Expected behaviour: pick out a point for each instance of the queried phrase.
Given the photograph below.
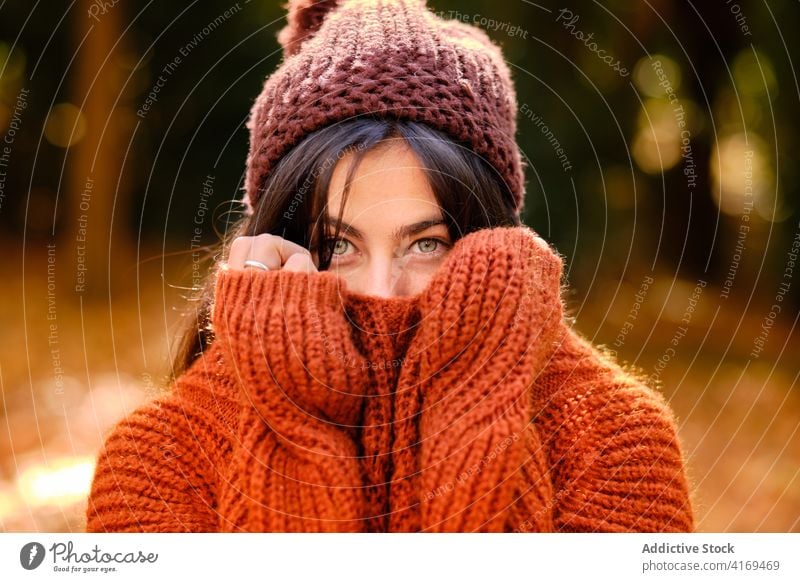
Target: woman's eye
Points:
(429, 246)
(339, 245)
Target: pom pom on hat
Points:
(303, 19)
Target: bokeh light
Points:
(741, 170)
(65, 125)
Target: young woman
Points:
(383, 345)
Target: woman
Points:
(384, 346)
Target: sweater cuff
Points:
(241, 293)
(496, 284)
(289, 342)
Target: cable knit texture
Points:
(471, 406)
(390, 59)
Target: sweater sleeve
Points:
(257, 434)
(613, 445)
(488, 323)
(155, 471)
(300, 385)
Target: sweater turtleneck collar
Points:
(382, 327)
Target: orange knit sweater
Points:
(471, 406)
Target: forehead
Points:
(389, 179)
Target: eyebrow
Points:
(398, 234)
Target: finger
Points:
(300, 263)
(287, 248)
(256, 248)
(269, 249)
(273, 250)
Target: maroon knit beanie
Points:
(386, 58)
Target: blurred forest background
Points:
(662, 140)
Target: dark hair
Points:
(470, 192)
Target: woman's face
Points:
(393, 237)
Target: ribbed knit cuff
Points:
(495, 283)
(288, 336)
(238, 292)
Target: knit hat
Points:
(387, 58)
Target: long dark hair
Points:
(470, 192)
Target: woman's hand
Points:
(275, 252)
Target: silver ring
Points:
(256, 264)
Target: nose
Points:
(384, 278)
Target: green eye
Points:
(339, 245)
(428, 245)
